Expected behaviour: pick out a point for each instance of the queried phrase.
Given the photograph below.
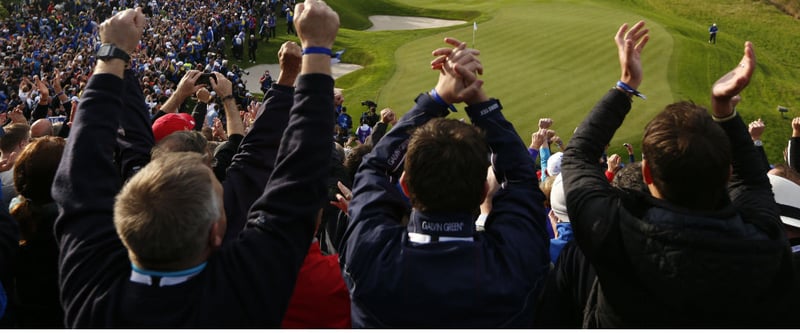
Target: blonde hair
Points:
(164, 213)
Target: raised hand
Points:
(342, 200)
(614, 163)
(290, 57)
(756, 128)
(458, 68)
(188, 84)
(17, 116)
(203, 95)
(545, 123)
(388, 116)
(630, 44)
(316, 24)
(222, 85)
(732, 83)
(628, 147)
(123, 29)
(538, 138)
(796, 127)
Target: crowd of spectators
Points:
(177, 200)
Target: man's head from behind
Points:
(16, 138)
(687, 157)
(170, 215)
(445, 167)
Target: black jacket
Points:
(247, 283)
(662, 266)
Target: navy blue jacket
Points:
(247, 283)
(492, 281)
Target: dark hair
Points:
(15, 134)
(630, 177)
(34, 171)
(446, 166)
(354, 158)
(689, 156)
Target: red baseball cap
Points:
(172, 122)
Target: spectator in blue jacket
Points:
(162, 266)
(435, 270)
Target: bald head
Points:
(41, 127)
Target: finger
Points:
(446, 51)
(471, 90)
(621, 33)
(465, 72)
(453, 41)
(642, 43)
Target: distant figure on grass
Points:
(712, 33)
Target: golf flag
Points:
(474, 26)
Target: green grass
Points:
(557, 58)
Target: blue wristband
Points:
(317, 50)
(439, 100)
(628, 89)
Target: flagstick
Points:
(474, 30)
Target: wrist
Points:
(439, 100)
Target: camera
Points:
(626, 145)
(206, 78)
(369, 104)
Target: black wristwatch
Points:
(111, 51)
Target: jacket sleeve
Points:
(224, 156)
(749, 187)
(250, 168)
(517, 215)
(793, 154)
(378, 131)
(377, 203)
(281, 221)
(39, 112)
(135, 140)
(199, 115)
(84, 188)
(591, 201)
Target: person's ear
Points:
(404, 185)
(646, 175)
(215, 234)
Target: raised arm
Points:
(587, 188)
(376, 201)
(187, 86)
(793, 149)
(136, 139)
(253, 164)
(87, 181)
(281, 222)
(749, 187)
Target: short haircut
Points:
(164, 213)
(630, 177)
(184, 141)
(445, 166)
(689, 156)
(15, 134)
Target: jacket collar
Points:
(435, 227)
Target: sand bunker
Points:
(385, 22)
(256, 71)
(379, 23)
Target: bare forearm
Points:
(235, 125)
